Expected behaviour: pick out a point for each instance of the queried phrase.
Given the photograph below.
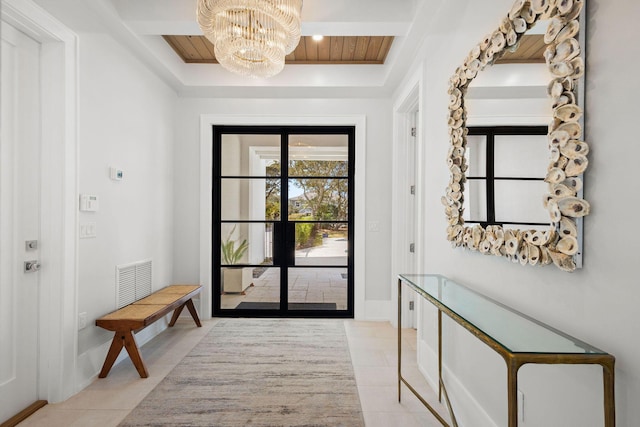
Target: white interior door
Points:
(19, 220)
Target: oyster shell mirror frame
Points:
(560, 244)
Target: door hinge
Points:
(410, 305)
(413, 190)
(412, 248)
(413, 132)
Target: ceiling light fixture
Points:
(251, 37)
(317, 37)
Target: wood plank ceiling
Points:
(330, 50)
(530, 50)
(343, 50)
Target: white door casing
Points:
(406, 214)
(19, 220)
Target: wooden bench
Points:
(140, 314)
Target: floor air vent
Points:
(133, 281)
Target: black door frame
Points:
(281, 259)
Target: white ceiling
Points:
(139, 25)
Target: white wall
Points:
(596, 304)
(126, 121)
(378, 187)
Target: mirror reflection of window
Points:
(520, 201)
(475, 194)
(521, 155)
(505, 179)
(519, 165)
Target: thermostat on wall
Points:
(88, 203)
(116, 174)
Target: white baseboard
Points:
(466, 408)
(468, 412)
(427, 353)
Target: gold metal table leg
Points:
(399, 338)
(512, 390)
(608, 373)
(439, 356)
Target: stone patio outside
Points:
(306, 284)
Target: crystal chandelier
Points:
(251, 37)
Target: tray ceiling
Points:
(330, 50)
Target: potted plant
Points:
(231, 254)
(235, 279)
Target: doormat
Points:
(257, 272)
(246, 305)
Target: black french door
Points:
(283, 221)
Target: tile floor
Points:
(373, 351)
(310, 285)
(306, 284)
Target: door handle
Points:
(31, 266)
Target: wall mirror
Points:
(559, 180)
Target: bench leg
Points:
(112, 355)
(192, 310)
(194, 313)
(124, 339)
(176, 314)
(132, 348)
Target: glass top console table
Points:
(518, 338)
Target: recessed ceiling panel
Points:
(329, 50)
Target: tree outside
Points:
(322, 199)
(272, 206)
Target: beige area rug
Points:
(259, 372)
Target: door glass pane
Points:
(321, 243)
(318, 199)
(246, 243)
(255, 199)
(319, 155)
(317, 288)
(261, 288)
(250, 155)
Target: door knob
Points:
(31, 266)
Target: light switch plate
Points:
(373, 226)
(82, 320)
(88, 230)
